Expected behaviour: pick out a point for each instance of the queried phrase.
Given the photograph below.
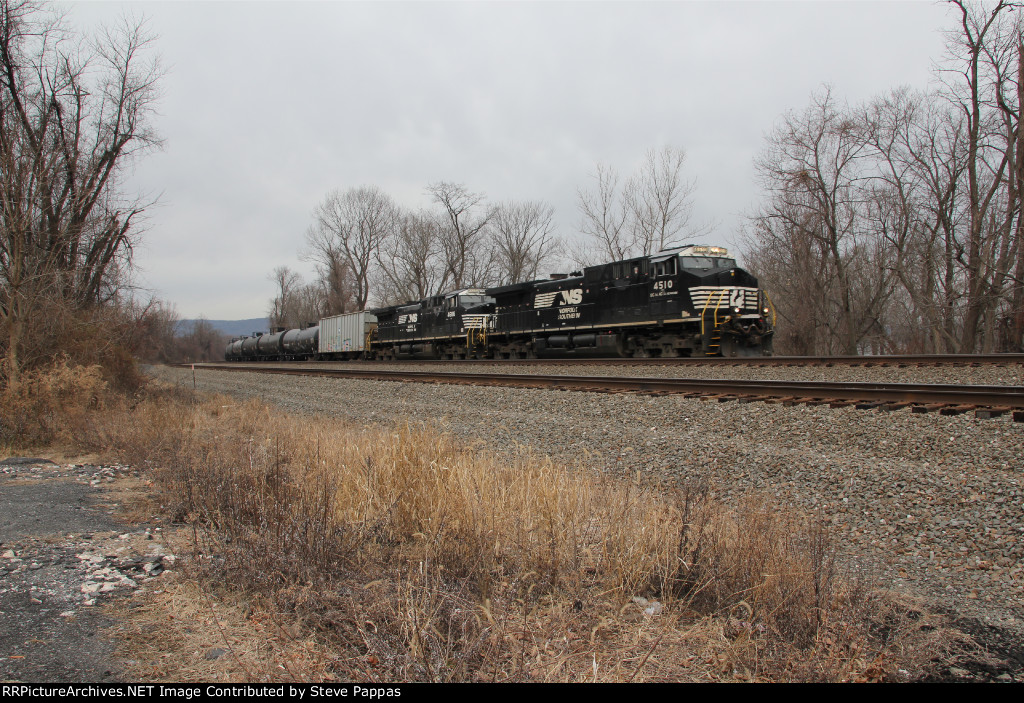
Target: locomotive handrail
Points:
(718, 306)
(771, 305)
(476, 331)
(705, 309)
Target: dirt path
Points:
(63, 555)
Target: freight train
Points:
(686, 301)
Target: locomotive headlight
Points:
(764, 311)
(736, 310)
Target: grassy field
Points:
(320, 550)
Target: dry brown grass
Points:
(182, 632)
(51, 404)
(404, 555)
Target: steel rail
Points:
(1010, 397)
(868, 361)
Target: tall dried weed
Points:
(426, 559)
(51, 404)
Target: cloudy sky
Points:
(267, 106)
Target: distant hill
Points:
(232, 328)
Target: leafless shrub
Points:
(51, 403)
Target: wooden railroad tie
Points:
(989, 413)
(869, 404)
(888, 407)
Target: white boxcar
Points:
(344, 336)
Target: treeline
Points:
(75, 111)
(365, 247)
(891, 225)
(895, 225)
(368, 250)
(164, 338)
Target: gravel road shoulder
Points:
(64, 555)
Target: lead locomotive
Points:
(686, 301)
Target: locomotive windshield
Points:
(706, 263)
(468, 301)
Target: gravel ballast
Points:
(983, 374)
(936, 502)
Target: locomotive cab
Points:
(450, 326)
(733, 311)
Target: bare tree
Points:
(297, 303)
(522, 236)
(914, 202)
(814, 169)
(202, 342)
(283, 305)
(468, 260)
(350, 227)
(603, 214)
(913, 198)
(335, 283)
(74, 111)
(154, 329)
(411, 264)
(650, 212)
(337, 288)
(976, 75)
(660, 200)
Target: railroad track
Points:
(893, 360)
(947, 399)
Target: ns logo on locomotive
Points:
(685, 301)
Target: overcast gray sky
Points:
(267, 106)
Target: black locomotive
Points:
(686, 301)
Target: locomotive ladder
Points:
(714, 346)
(476, 332)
